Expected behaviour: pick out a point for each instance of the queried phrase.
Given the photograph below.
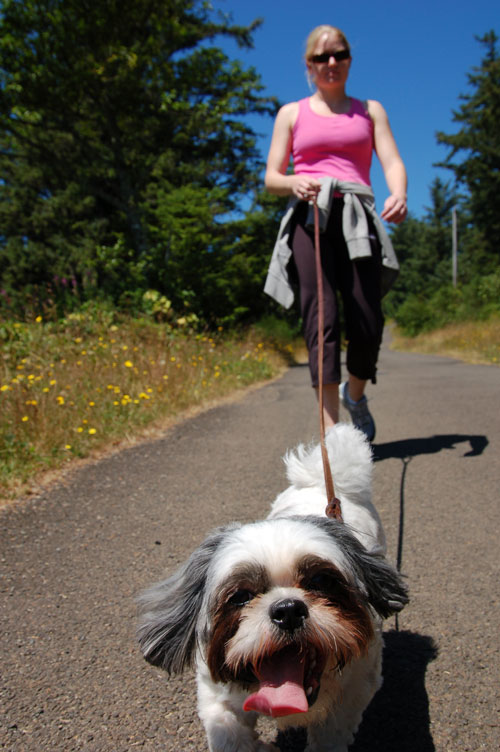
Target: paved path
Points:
(71, 677)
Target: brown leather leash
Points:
(333, 506)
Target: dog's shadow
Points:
(408, 448)
(398, 716)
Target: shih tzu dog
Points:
(283, 616)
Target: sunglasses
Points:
(325, 56)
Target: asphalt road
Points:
(71, 560)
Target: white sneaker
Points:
(360, 415)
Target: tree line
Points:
(126, 156)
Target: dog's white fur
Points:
(351, 459)
(330, 578)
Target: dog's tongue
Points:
(281, 689)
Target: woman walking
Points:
(331, 137)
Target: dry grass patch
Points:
(472, 341)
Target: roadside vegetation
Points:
(97, 378)
(469, 341)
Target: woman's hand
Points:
(303, 187)
(395, 209)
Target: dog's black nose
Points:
(289, 614)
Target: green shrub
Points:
(477, 300)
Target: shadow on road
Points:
(398, 717)
(408, 448)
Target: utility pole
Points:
(454, 259)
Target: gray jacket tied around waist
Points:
(358, 201)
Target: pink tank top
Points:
(339, 146)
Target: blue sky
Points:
(412, 56)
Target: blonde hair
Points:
(318, 32)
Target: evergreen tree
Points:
(408, 240)
(122, 142)
(438, 236)
(478, 143)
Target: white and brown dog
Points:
(283, 616)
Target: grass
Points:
(472, 342)
(73, 388)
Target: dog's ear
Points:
(170, 609)
(383, 585)
(385, 588)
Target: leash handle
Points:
(333, 506)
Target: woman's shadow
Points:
(409, 448)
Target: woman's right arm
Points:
(276, 179)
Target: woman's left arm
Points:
(395, 208)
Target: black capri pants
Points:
(359, 284)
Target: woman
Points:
(331, 137)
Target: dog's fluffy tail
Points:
(350, 457)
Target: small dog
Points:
(283, 616)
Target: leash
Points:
(333, 506)
(399, 559)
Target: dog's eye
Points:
(321, 581)
(241, 597)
